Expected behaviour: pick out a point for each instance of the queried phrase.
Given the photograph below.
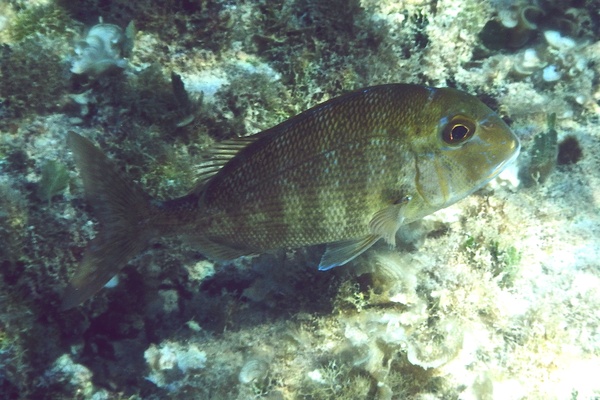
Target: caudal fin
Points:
(123, 211)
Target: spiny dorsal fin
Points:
(219, 154)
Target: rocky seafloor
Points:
(496, 297)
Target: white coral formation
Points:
(427, 344)
(253, 370)
(172, 364)
(528, 62)
(65, 371)
(104, 48)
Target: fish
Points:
(347, 173)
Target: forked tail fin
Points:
(124, 213)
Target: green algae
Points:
(47, 20)
(32, 76)
(543, 155)
(55, 178)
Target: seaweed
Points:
(55, 178)
(543, 156)
(32, 77)
(46, 20)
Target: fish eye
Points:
(458, 130)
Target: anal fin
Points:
(215, 251)
(339, 253)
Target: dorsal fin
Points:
(217, 155)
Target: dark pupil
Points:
(458, 133)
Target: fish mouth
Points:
(500, 167)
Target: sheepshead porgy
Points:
(347, 172)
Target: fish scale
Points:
(317, 145)
(347, 173)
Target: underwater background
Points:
(496, 297)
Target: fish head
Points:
(466, 146)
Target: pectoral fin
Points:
(339, 253)
(385, 222)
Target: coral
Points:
(514, 27)
(252, 98)
(13, 365)
(32, 76)
(253, 370)
(505, 265)
(543, 156)
(172, 364)
(334, 381)
(426, 344)
(527, 62)
(309, 43)
(103, 49)
(65, 370)
(47, 20)
(6, 15)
